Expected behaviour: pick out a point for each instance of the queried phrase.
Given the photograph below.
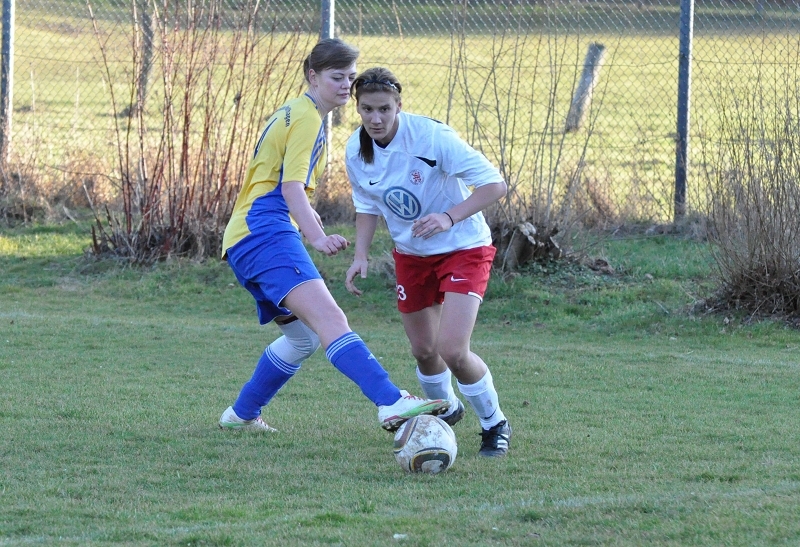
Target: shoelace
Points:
(491, 436)
(259, 420)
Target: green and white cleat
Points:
(455, 416)
(229, 420)
(391, 417)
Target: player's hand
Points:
(430, 225)
(330, 245)
(359, 267)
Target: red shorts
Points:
(423, 280)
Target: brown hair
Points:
(373, 80)
(330, 53)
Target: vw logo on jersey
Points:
(402, 203)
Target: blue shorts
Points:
(269, 265)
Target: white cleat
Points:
(229, 420)
(407, 406)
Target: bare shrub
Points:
(179, 177)
(591, 202)
(754, 198)
(333, 199)
(522, 131)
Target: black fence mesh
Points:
(503, 73)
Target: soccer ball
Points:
(425, 444)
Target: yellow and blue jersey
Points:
(290, 148)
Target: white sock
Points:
(439, 386)
(483, 398)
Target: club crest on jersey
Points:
(415, 177)
(402, 203)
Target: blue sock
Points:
(351, 357)
(269, 376)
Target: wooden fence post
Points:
(583, 93)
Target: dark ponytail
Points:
(367, 152)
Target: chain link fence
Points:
(504, 73)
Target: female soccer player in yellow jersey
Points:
(264, 249)
(415, 173)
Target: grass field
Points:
(635, 421)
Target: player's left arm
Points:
(461, 160)
(480, 199)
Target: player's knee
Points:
(306, 345)
(456, 358)
(304, 340)
(425, 354)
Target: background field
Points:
(635, 420)
(507, 99)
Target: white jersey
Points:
(425, 169)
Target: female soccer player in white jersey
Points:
(266, 253)
(415, 172)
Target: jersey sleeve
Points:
(460, 160)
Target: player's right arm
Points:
(308, 221)
(366, 225)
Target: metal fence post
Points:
(6, 80)
(327, 19)
(327, 31)
(684, 92)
